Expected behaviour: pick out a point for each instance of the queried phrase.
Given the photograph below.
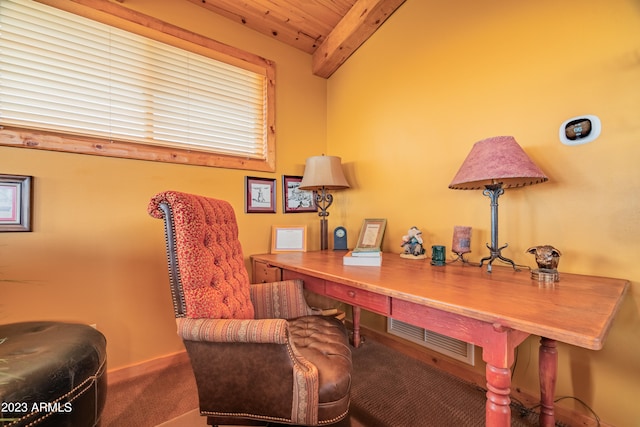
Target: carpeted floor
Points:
(151, 399)
(389, 389)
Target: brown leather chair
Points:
(257, 351)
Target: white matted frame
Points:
(260, 195)
(288, 238)
(294, 199)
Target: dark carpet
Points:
(391, 389)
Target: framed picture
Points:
(260, 195)
(288, 238)
(371, 233)
(15, 203)
(294, 199)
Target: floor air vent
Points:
(451, 347)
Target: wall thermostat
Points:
(580, 130)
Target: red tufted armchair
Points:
(257, 351)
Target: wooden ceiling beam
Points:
(362, 20)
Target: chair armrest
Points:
(273, 331)
(279, 300)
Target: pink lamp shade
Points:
(497, 160)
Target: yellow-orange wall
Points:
(403, 113)
(95, 256)
(406, 108)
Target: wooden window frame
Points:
(138, 23)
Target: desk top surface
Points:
(576, 310)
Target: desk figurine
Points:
(547, 258)
(412, 243)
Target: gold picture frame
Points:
(371, 233)
(290, 238)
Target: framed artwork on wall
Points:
(260, 195)
(294, 199)
(15, 203)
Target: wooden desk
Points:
(496, 311)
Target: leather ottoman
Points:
(52, 374)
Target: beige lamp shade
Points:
(497, 160)
(323, 171)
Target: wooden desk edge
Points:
(599, 342)
(590, 343)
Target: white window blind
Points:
(65, 73)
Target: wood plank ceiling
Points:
(329, 30)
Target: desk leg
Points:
(499, 356)
(498, 412)
(548, 371)
(356, 326)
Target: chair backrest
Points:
(206, 265)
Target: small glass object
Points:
(438, 256)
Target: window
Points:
(75, 84)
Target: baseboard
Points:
(567, 416)
(149, 366)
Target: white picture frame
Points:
(288, 238)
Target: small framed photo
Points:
(15, 203)
(294, 199)
(260, 195)
(371, 233)
(288, 238)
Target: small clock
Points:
(340, 239)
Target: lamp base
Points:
(460, 257)
(496, 254)
(324, 234)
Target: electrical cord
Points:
(525, 411)
(595, 416)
